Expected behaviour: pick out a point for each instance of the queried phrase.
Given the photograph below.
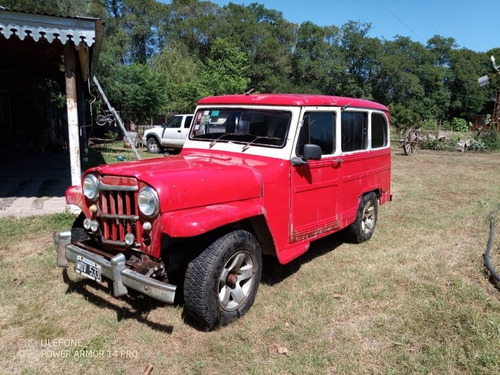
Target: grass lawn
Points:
(414, 299)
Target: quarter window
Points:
(379, 131)
(189, 120)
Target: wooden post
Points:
(72, 110)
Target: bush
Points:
(432, 143)
(491, 140)
(111, 135)
(460, 125)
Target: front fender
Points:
(196, 221)
(74, 196)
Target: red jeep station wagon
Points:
(258, 174)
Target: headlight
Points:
(91, 187)
(148, 202)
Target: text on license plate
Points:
(88, 268)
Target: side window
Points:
(379, 130)
(189, 119)
(354, 131)
(318, 128)
(174, 122)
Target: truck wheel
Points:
(153, 146)
(221, 283)
(78, 232)
(366, 219)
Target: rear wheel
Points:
(221, 283)
(153, 146)
(366, 219)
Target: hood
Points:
(187, 181)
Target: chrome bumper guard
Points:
(114, 270)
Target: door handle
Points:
(338, 160)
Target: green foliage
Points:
(460, 125)
(403, 117)
(225, 70)
(138, 91)
(432, 143)
(491, 140)
(111, 135)
(57, 7)
(162, 58)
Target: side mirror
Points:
(311, 152)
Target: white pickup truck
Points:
(170, 135)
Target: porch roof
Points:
(82, 31)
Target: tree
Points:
(314, 63)
(57, 7)
(225, 70)
(358, 55)
(137, 91)
(179, 72)
(266, 38)
(467, 98)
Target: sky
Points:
(474, 25)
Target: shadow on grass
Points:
(273, 272)
(140, 305)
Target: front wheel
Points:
(366, 219)
(153, 146)
(101, 120)
(221, 283)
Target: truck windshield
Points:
(250, 127)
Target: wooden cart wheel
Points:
(410, 141)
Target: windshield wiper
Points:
(247, 146)
(212, 144)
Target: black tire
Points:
(221, 283)
(366, 219)
(153, 146)
(78, 232)
(101, 120)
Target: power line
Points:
(450, 19)
(402, 22)
(432, 22)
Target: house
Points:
(46, 66)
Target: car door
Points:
(315, 184)
(172, 132)
(185, 128)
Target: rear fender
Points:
(200, 220)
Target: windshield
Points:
(249, 127)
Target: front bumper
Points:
(113, 269)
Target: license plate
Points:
(88, 268)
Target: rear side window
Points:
(379, 130)
(189, 120)
(354, 131)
